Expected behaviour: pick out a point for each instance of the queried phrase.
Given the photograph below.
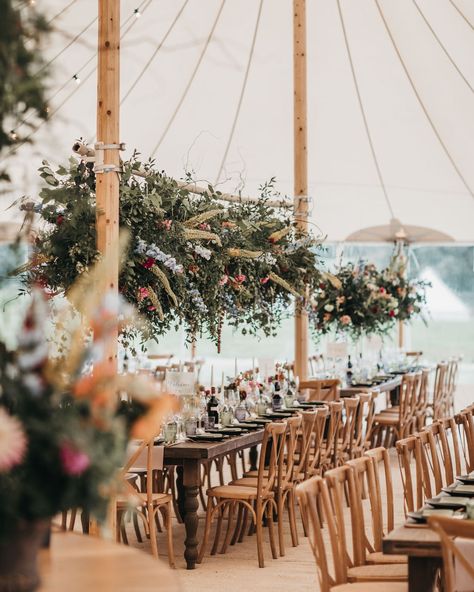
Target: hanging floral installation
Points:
(192, 261)
(366, 301)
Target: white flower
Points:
(12, 441)
(202, 252)
(329, 308)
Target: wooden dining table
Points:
(423, 549)
(79, 563)
(188, 456)
(383, 387)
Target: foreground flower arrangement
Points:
(365, 301)
(63, 430)
(191, 261)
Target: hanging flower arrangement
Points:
(191, 260)
(365, 301)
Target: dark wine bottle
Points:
(213, 406)
(349, 370)
(277, 399)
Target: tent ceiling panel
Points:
(422, 185)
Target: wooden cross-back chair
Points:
(422, 402)
(440, 445)
(321, 389)
(313, 497)
(258, 501)
(439, 391)
(316, 454)
(346, 442)
(409, 461)
(330, 437)
(465, 429)
(343, 483)
(447, 529)
(145, 505)
(373, 524)
(384, 498)
(397, 422)
(451, 384)
(284, 485)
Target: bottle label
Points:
(213, 408)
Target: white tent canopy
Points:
(426, 168)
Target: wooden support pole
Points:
(300, 166)
(107, 183)
(108, 132)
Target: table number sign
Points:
(336, 349)
(180, 383)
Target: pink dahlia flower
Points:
(13, 442)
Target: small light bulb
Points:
(32, 2)
(13, 135)
(137, 13)
(76, 79)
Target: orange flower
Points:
(148, 425)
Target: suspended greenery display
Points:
(366, 301)
(192, 260)
(23, 73)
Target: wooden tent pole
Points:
(107, 183)
(300, 166)
(108, 133)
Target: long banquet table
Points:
(79, 563)
(423, 548)
(188, 457)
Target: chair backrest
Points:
(447, 528)
(384, 492)
(409, 460)
(341, 482)
(465, 424)
(438, 435)
(285, 476)
(346, 443)
(322, 390)
(308, 419)
(422, 397)
(427, 455)
(316, 509)
(372, 521)
(365, 420)
(316, 453)
(452, 440)
(272, 450)
(439, 390)
(143, 455)
(331, 435)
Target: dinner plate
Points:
(460, 490)
(207, 437)
(260, 420)
(310, 404)
(276, 415)
(248, 425)
(421, 515)
(466, 479)
(448, 502)
(231, 431)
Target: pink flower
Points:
(74, 461)
(204, 226)
(240, 278)
(346, 320)
(13, 442)
(264, 280)
(143, 293)
(223, 281)
(167, 224)
(149, 263)
(151, 308)
(382, 290)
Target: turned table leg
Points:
(422, 573)
(253, 457)
(188, 489)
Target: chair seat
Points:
(389, 572)
(252, 482)
(139, 499)
(386, 418)
(233, 492)
(381, 558)
(371, 587)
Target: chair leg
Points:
(238, 524)
(207, 530)
(292, 516)
(271, 531)
(230, 519)
(152, 525)
(123, 530)
(169, 532)
(136, 526)
(259, 529)
(218, 529)
(243, 528)
(280, 510)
